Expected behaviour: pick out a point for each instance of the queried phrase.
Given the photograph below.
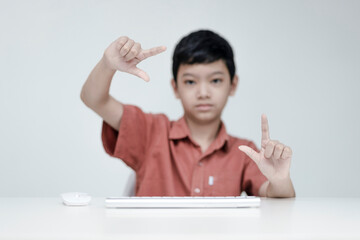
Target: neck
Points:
(203, 133)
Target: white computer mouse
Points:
(76, 198)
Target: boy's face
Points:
(204, 89)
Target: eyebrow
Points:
(194, 75)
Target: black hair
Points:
(203, 46)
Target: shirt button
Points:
(197, 190)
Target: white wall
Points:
(298, 61)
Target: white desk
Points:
(301, 218)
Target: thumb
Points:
(250, 152)
(139, 73)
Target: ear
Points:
(175, 88)
(234, 85)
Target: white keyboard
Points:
(182, 202)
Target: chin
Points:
(205, 117)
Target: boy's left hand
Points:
(274, 157)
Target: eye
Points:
(189, 82)
(216, 81)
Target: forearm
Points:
(280, 188)
(122, 55)
(95, 91)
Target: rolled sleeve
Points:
(130, 142)
(253, 178)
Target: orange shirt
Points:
(168, 162)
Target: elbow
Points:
(83, 97)
(91, 101)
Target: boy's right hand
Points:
(124, 54)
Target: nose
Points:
(203, 91)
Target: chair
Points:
(130, 185)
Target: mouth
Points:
(203, 107)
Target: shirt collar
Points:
(180, 130)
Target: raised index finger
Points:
(150, 52)
(265, 136)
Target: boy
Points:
(193, 156)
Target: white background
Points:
(298, 61)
